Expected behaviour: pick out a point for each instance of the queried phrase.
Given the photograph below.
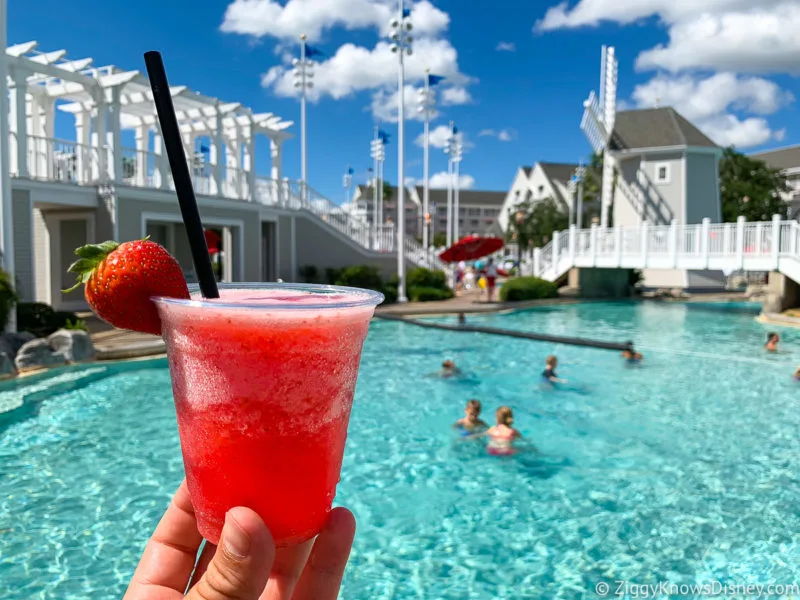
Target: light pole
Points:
(401, 45)
(453, 149)
(347, 181)
(303, 79)
(376, 152)
(578, 177)
(427, 108)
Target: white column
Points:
(537, 262)
(47, 124)
(114, 136)
(99, 138)
(142, 142)
(42, 147)
(217, 149)
(83, 136)
(776, 240)
(740, 242)
(7, 230)
(276, 172)
(162, 167)
(250, 163)
(20, 123)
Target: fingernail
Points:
(234, 539)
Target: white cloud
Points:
(506, 47)
(384, 104)
(708, 102)
(740, 35)
(760, 40)
(439, 181)
(730, 37)
(456, 95)
(504, 135)
(261, 18)
(437, 137)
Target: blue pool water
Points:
(682, 470)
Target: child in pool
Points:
(549, 373)
(471, 422)
(449, 369)
(502, 435)
(772, 342)
(630, 355)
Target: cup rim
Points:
(359, 297)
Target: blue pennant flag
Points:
(455, 130)
(383, 136)
(204, 149)
(406, 12)
(311, 52)
(350, 170)
(434, 79)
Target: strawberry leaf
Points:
(89, 257)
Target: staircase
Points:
(294, 195)
(728, 247)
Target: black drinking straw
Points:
(180, 174)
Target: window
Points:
(540, 189)
(474, 212)
(663, 172)
(474, 222)
(491, 212)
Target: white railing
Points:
(52, 159)
(741, 246)
(61, 160)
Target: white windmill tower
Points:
(598, 124)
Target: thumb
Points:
(242, 563)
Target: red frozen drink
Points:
(263, 380)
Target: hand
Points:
(247, 566)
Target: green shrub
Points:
(429, 294)
(76, 325)
(422, 277)
(8, 298)
(332, 275)
(527, 288)
(41, 320)
(362, 276)
(308, 273)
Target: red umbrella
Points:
(471, 248)
(212, 241)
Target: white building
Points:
(67, 192)
(539, 182)
(788, 161)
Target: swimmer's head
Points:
(551, 361)
(773, 337)
(628, 346)
(473, 408)
(504, 416)
(448, 365)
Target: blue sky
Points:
(725, 65)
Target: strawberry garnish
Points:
(121, 279)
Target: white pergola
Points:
(106, 100)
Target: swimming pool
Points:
(683, 470)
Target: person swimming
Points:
(462, 320)
(471, 423)
(549, 373)
(797, 374)
(502, 436)
(449, 369)
(630, 355)
(772, 342)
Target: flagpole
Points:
(450, 193)
(303, 172)
(401, 46)
(375, 191)
(456, 214)
(425, 177)
(380, 199)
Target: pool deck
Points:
(116, 344)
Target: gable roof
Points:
(780, 158)
(562, 172)
(655, 128)
(527, 171)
